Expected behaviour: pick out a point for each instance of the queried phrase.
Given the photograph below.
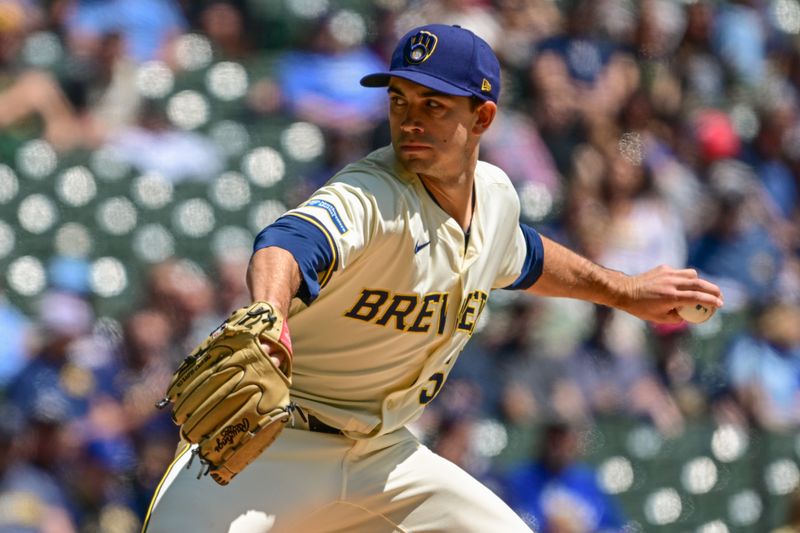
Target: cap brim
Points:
(381, 79)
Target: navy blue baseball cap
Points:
(448, 59)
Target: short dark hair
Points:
(475, 102)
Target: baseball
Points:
(695, 313)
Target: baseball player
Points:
(383, 274)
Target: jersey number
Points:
(429, 393)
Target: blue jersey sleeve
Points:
(534, 259)
(314, 251)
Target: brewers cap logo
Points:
(421, 46)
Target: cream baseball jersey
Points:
(400, 292)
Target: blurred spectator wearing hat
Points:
(555, 493)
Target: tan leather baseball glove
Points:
(228, 397)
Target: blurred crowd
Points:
(636, 132)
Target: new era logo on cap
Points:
(448, 59)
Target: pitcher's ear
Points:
(486, 112)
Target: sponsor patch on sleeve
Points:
(331, 209)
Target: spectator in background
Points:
(555, 493)
(25, 93)
(600, 72)
(224, 22)
(561, 127)
(94, 93)
(738, 37)
(781, 189)
(523, 23)
(154, 145)
(35, 94)
(617, 378)
(641, 228)
(149, 355)
(714, 138)
(778, 185)
(153, 454)
(150, 351)
(146, 26)
(184, 294)
(578, 80)
(647, 136)
(102, 88)
(54, 373)
(100, 486)
(514, 144)
(738, 248)
(764, 367)
(31, 498)
(532, 383)
(477, 15)
(231, 287)
(231, 29)
(316, 82)
(454, 440)
(701, 73)
(675, 367)
(90, 97)
(14, 24)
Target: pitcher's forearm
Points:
(273, 276)
(567, 274)
(655, 295)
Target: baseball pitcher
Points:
(363, 297)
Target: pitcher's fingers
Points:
(277, 356)
(688, 273)
(700, 297)
(704, 286)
